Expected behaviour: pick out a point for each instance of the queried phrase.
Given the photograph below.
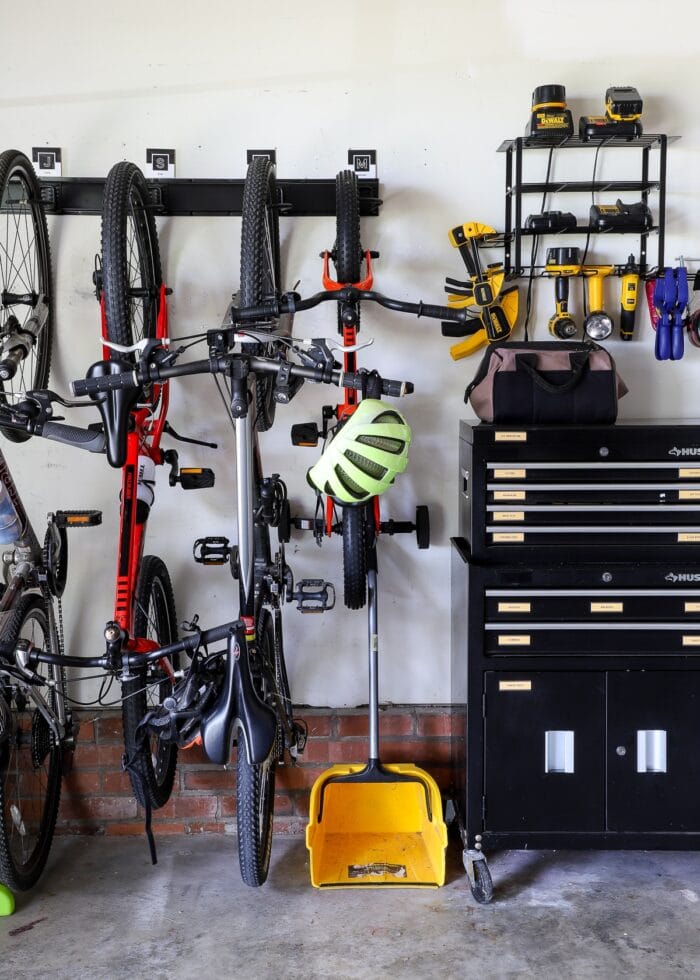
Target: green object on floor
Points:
(7, 901)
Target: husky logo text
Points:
(683, 577)
(688, 451)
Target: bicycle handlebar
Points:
(220, 364)
(187, 644)
(293, 303)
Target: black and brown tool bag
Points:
(547, 382)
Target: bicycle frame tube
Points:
(245, 503)
(143, 440)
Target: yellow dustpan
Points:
(376, 825)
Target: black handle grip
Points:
(442, 313)
(106, 382)
(72, 435)
(389, 387)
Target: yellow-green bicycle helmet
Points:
(364, 455)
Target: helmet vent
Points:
(389, 445)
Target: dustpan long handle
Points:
(373, 638)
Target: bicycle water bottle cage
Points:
(114, 408)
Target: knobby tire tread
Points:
(258, 281)
(15, 877)
(125, 181)
(12, 161)
(153, 575)
(355, 533)
(255, 782)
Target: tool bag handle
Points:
(579, 365)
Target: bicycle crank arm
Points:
(238, 704)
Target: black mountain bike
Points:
(37, 728)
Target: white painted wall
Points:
(435, 88)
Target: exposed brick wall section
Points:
(97, 796)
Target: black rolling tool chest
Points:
(576, 637)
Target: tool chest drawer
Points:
(585, 610)
(628, 491)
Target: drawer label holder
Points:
(521, 640)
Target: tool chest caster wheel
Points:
(480, 881)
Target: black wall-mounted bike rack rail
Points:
(205, 197)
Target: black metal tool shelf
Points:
(576, 639)
(205, 197)
(516, 188)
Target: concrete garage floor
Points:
(101, 911)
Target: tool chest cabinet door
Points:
(653, 752)
(544, 754)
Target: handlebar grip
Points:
(442, 313)
(394, 388)
(72, 435)
(105, 382)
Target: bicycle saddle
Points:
(114, 408)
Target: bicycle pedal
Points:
(77, 518)
(305, 434)
(313, 595)
(211, 551)
(196, 478)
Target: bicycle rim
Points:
(30, 763)
(131, 268)
(152, 764)
(255, 783)
(26, 296)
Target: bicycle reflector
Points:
(365, 454)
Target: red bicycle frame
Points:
(143, 439)
(350, 395)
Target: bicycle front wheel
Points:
(131, 270)
(358, 526)
(30, 759)
(255, 783)
(260, 265)
(151, 762)
(26, 297)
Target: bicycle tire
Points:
(347, 252)
(356, 529)
(154, 618)
(30, 763)
(260, 266)
(255, 782)
(131, 268)
(25, 274)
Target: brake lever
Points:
(316, 352)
